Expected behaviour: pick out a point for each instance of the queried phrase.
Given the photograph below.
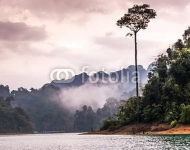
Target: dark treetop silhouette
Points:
(136, 19)
(186, 37)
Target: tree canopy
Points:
(137, 17)
(186, 37)
(13, 120)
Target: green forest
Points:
(13, 120)
(166, 96)
(42, 110)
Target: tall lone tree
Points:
(136, 19)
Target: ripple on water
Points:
(93, 142)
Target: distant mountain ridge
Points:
(101, 78)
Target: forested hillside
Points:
(166, 96)
(47, 112)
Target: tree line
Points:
(43, 110)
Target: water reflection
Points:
(93, 142)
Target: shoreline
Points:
(134, 129)
(3, 134)
(146, 129)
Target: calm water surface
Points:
(93, 142)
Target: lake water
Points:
(93, 142)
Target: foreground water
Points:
(93, 142)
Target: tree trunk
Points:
(137, 84)
(136, 70)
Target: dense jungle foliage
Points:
(13, 120)
(166, 96)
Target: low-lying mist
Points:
(93, 95)
(88, 94)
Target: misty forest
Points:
(73, 107)
(162, 94)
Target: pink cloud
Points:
(19, 31)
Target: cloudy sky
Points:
(37, 36)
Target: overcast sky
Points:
(37, 36)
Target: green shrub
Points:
(185, 114)
(110, 125)
(173, 123)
